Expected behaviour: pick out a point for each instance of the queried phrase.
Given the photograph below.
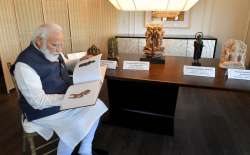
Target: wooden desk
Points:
(147, 99)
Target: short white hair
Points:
(44, 30)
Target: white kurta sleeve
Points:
(30, 85)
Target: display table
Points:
(147, 99)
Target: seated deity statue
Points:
(233, 54)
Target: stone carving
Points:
(154, 36)
(93, 50)
(113, 49)
(233, 54)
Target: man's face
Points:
(55, 43)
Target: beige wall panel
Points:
(85, 22)
(79, 23)
(29, 16)
(248, 47)
(56, 11)
(103, 20)
(9, 42)
(94, 18)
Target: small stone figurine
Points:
(198, 46)
(93, 50)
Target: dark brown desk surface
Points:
(172, 72)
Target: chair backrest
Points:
(13, 79)
(17, 90)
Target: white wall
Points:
(229, 20)
(223, 19)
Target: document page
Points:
(87, 70)
(80, 95)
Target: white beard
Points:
(49, 55)
(53, 57)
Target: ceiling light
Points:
(153, 5)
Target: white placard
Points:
(111, 64)
(199, 71)
(239, 74)
(136, 65)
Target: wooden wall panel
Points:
(85, 22)
(103, 23)
(29, 16)
(9, 39)
(79, 23)
(57, 12)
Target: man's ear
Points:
(39, 42)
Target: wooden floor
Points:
(208, 122)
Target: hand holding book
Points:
(87, 78)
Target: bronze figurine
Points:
(198, 46)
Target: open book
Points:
(88, 77)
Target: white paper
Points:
(110, 64)
(136, 65)
(239, 74)
(73, 56)
(103, 72)
(88, 77)
(199, 71)
(87, 70)
(85, 100)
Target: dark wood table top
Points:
(172, 72)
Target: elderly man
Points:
(41, 75)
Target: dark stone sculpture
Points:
(112, 49)
(198, 46)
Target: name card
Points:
(136, 65)
(199, 71)
(110, 64)
(239, 74)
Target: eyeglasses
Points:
(54, 45)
